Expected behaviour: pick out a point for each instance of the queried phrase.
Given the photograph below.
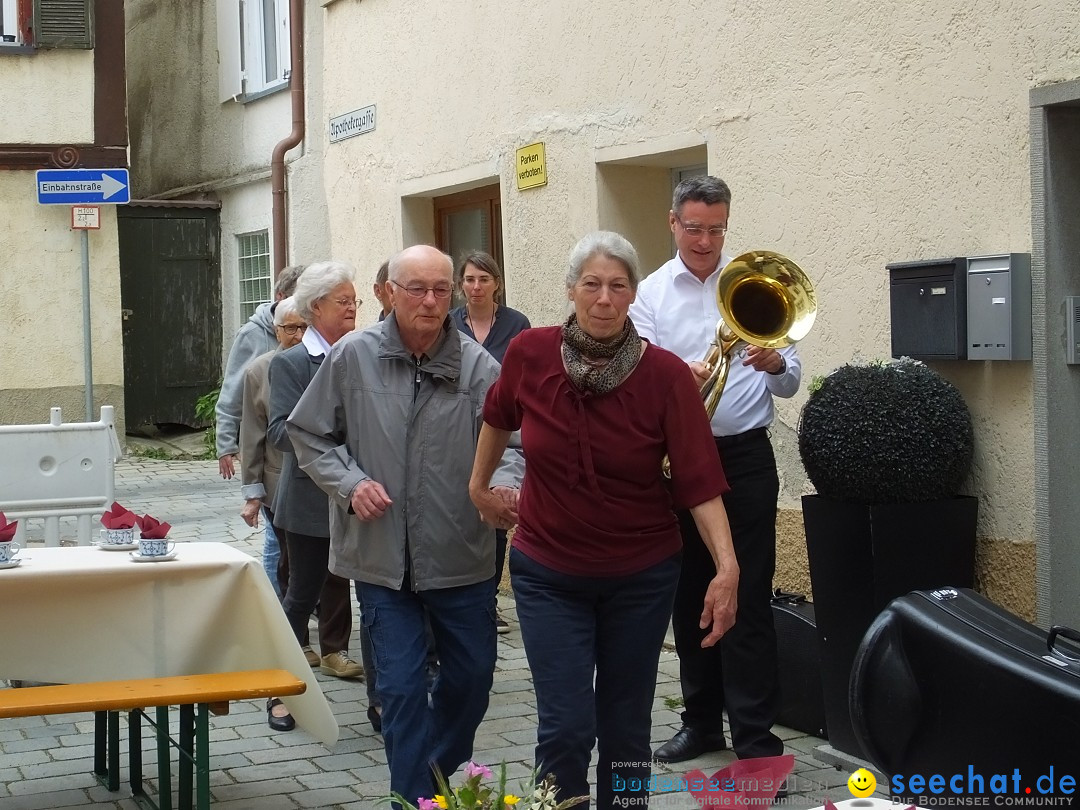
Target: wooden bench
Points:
(196, 695)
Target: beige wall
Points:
(852, 135)
(41, 287)
(47, 97)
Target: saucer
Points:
(11, 564)
(137, 557)
(117, 546)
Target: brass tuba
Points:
(765, 300)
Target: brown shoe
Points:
(341, 666)
(312, 657)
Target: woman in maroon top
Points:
(595, 559)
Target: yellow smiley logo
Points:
(861, 783)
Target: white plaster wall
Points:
(47, 96)
(181, 134)
(244, 209)
(853, 134)
(188, 144)
(41, 287)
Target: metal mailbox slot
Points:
(999, 307)
(927, 309)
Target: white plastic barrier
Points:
(54, 471)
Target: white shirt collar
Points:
(315, 343)
(680, 268)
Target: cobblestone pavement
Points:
(46, 762)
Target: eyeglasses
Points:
(695, 231)
(290, 329)
(420, 291)
(345, 303)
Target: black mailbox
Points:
(928, 309)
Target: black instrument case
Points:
(947, 683)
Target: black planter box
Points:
(861, 558)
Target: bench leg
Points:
(107, 749)
(164, 801)
(202, 756)
(135, 777)
(101, 746)
(187, 756)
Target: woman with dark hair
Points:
(492, 325)
(482, 317)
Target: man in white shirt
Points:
(676, 309)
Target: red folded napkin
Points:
(743, 783)
(7, 530)
(152, 528)
(118, 518)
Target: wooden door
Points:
(170, 291)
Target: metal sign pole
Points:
(88, 362)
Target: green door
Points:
(170, 289)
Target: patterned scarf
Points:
(598, 367)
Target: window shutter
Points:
(228, 37)
(64, 24)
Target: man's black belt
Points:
(723, 442)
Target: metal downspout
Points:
(277, 162)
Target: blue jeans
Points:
(418, 734)
(593, 645)
(271, 551)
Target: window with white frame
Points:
(253, 47)
(9, 23)
(256, 277)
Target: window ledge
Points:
(268, 91)
(12, 49)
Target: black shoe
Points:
(285, 723)
(374, 718)
(689, 743)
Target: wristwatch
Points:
(783, 367)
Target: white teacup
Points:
(118, 537)
(9, 552)
(153, 547)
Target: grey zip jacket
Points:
(365, 416)
(256, 337)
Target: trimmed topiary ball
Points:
(886, 433)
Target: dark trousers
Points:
(739, 673)
(593, 645)
(419, 733)
(310, 584)
(500, 555)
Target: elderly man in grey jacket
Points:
(388, 430)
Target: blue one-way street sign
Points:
(78, 186)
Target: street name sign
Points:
(81, 186)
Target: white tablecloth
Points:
(73, 615)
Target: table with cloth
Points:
(80, 614)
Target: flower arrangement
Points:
(479, 793)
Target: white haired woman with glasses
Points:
(326, 299)
(595, 560)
